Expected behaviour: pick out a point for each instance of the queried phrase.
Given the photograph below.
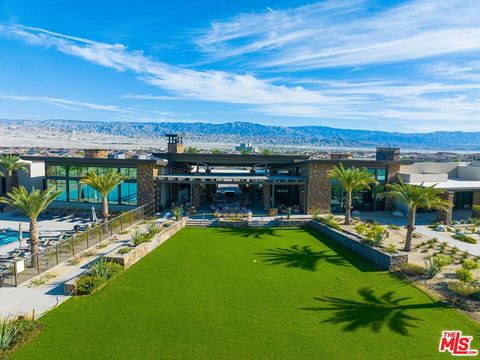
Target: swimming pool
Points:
(10, 236)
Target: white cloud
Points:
(346, 33)
(65, 103)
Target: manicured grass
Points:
(249, 294)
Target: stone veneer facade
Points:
(445, 216)
(392, 176)
(266, 196)
(319, 188)
(96, 153)
(147, 189)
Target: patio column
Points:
(196, 196)
(266, 196)
(475, 201)
(445, 216)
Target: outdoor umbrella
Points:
(20, 234)
(93, 215)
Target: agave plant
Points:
(432, 268)
(152, 228)
(177, 212)
(8, 332)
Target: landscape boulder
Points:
(441, 228)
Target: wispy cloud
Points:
(65, 103)
(346, 33)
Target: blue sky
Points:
(363, 64)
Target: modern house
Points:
(205, 182)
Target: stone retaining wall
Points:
(138, 252)
(385, 260)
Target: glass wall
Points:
(362, 200)
(67, 178)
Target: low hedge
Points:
(98, 274)
(465, 238)
(412, 269)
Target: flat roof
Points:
(231, 159)
(452, 184)
(357, 162)
(63, 160)
(229, 178)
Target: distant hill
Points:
(263, 134)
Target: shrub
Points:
(466, 255)
(442, 260)
(74, 261)
(462, 289)
(15, 332)
(469, 264)
(138, 237)
(361, 228)
(394, 227)
(432, 268)
(376, 233)
(391, 249)
(43, 279)
(412, 269)
(153, 229)
(330, 222)
(177, 212)
(465, 238)
(124, 250)
(443, 245)
(87, 283)
(104, 269)
(454, 250)
(464, 275)
(166, 225)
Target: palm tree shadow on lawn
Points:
(302, 257)
(372, 312)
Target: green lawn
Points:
(249, 294)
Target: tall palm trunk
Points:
(10, 181)
(105, 214)
(348, 207)
(410, 229)
(34, 241)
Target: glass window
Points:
(89, 194)
(76, 171)
(74, 190)
(381, 174)
(129, 193)
(56, 170)
(130, 173)
(103, 170)
(59, 185)
(113, 196)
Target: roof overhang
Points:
(240, 178)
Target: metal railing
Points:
(67, 248)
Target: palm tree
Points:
(414, 197)
(11, 163)
(351, 179)
(104, 184)
(32, 204)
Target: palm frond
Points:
(352, 178)
(12, 162)
(33, 203)
(104, 183)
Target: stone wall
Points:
(386, 261)
(175, 148)
(319, 189)
(127, 260)
(146, 185)
(196, 196)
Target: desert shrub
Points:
(462, 289)
(416, 235)
(104, 269)
(124, 250)
(376, 233)
(394, 227)
(153, 229)
(443, 245)
(443, 260)
(464, 275)
(469, 264)
(432, 241)
(465, 238)
(15, 332)
(465, 255)
(330, 222)
(432, 268)
(361, 228)
(43, 279)
(75, 261)
(138, 237)
(412, 269)
(90, 253)
(454, 250)
(166, 225)
(391, 249)
(87, 283)
(177, 212)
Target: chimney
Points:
(96, 153)
(340, 156)
(175, 143)
(388, 154)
